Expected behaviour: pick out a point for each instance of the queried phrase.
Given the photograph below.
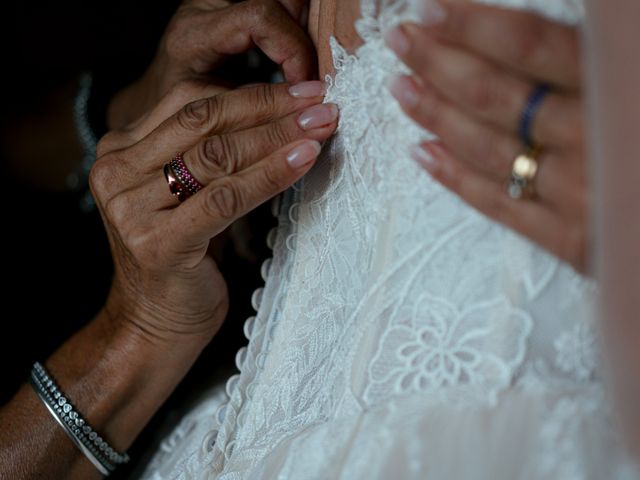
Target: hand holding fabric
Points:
(245, 146)
(475, 71)
(203, 34)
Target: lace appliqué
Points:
(440, 346)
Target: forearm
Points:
(615, 76)
(114, 377)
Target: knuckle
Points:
(266, 96)
(118, 210)
(274, 179)
(108, 143)
(197, 116)
(217, 153)
(224, 201)
(278, 134)
(101, 177)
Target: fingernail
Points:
(398, 41)
(432, 13)
(405, 91)
(308, 89)
(304, 154)
(318, 116)
(420, 154)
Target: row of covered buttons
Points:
(241, 356)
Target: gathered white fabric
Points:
(400, 333)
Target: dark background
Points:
(56, 264)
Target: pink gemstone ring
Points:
(184, 176)
(175, 187)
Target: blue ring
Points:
(529, 113)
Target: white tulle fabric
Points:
(400, 333)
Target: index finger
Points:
(528, 43)
(263, 23)
(224, 113)
(225, 200)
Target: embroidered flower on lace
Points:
(576, 351)
(438, 345)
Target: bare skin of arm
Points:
(119, 390)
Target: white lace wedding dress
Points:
(401, 334)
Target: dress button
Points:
(272, 331)
(210, 441)
(229, 450)
(275, 205)
(221, 413)
(232, 383)
(294, 212)
(241, 357)
(291, 242)
(271, 237)
(251, 390)
(261, 361)
(249, 325)
(264, 270)
(256, 299)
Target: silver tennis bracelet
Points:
(95, 448)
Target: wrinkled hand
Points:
(245, 146)
(203, 34)
(475, 68)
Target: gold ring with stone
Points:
(523, 175)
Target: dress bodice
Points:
(401, 333)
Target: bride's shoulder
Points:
(335, 18)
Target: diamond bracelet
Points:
(95, 448)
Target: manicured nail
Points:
(318, 116)
(308, 89)
(405, 91)
(304, 154)
(398, 41)
(432, 13)
(420, 154)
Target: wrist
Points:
(117, 378)
(155, 324)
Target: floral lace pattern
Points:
(441, 346)
(390, 304)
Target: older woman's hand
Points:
(203, 33)
(244, 146)
(476, 84)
